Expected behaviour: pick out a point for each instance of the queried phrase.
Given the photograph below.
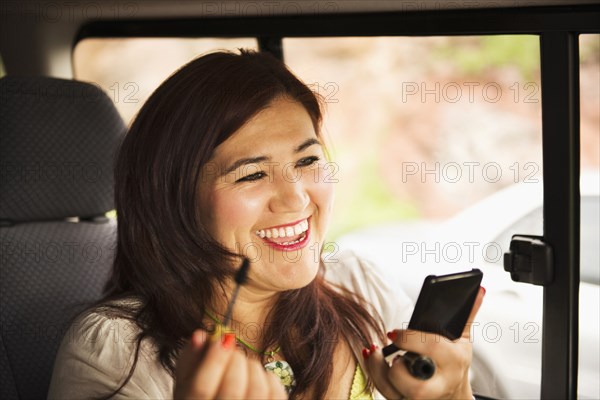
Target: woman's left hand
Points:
(452, 360)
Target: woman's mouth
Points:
(286, 237)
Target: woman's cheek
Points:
(322, 193)
(235, 214)
(326, 182)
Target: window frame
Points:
(558, 29)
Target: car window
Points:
(531, 224)
(129, 69)
(422, 129)
(589, 296)
(590, 237)
(589, 87)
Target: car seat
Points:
(57, 146)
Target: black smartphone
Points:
(445, 302)
(443, 307)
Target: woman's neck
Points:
(250, 313)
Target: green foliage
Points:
(371, 202)
(589, 49)
(483, 54)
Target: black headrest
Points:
(58, 141)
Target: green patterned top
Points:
(358, 391)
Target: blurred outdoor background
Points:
(419, 128)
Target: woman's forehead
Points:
(283, 124)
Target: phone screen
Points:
(445, 302)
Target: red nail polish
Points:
(483, 290)
(392, 335)
(373, 347)
(228, 340)
(365, 353)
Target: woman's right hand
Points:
(208, 369)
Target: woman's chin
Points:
(290, 275)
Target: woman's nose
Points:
(289, 196)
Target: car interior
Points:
(59, 136)
(45, 272)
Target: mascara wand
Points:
(419, 366)
(240, 278)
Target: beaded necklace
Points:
(270, 354)
(280, 368)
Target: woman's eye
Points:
(252, 177)
(306, 161)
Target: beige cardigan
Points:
(96, 353)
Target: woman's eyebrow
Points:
(255, 160)
(307, 143)
(245, 161)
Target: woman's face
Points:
(265, 194)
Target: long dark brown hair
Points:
(166, 258)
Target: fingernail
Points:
(228, 340)
(365, 353)
(392, 335)
(373, 347)
(483, 290)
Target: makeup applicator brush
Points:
(240, 278)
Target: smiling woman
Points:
(225, 161)
(274, 205)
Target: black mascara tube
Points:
(419, 366)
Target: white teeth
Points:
(294, 242)
(288, 231)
